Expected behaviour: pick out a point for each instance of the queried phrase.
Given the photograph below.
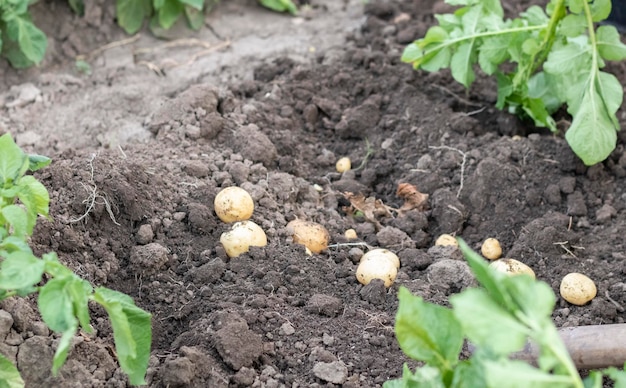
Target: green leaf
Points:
(13, 243)
(80, 291)
(55, 305)
(573, 25)
(461, 64)
(593, 133)
(569, 58)
(280, 5)
(195, 18)
(493, 52)
(17, 217)
(60, 355)
(469, 374)
(34, 195)
(424, 377)
(131, 14)
(132, 332)
(54, 267)
(610, 46)
(427, 332)
(30, 39)
(197, 4)
(20, 270)
(518, 374)
(600, 10)
(487, 277)
(9, 375)
(488, 324)
(37, 162)
(13, 161)
(169, 13)
(618, 376)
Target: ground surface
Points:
(269, 103)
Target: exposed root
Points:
(95, 197)
(463, 164)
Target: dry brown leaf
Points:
(372, 208)
(413, 199)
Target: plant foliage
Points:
(24, 45)
(558, 56)
(62, 299)
(498, 319)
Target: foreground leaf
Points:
(427, 332)
(20, 270)
(132, 332)
(9, 375)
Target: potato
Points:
(310, 234)
(350, 234)
(344, 164)
(382, 254)
(446, 240)
(491, 249)
(512, 267)
(233, 204)
(381, 268)
(577, 288)
(241, 237)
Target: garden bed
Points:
(269, 102)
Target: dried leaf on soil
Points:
(413, 199)
(372, 208)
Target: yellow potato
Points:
(344, 164)
(446, 240)
(350, 234)
(512, 267)
(491, 249)
(310, 234)
(382, 254)
(577, 288)
(241, 237)
(382, 269)
(233, 204)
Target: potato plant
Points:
(62, 296)
(24, 45)
(557, 56)
(498, 319)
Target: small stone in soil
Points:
(334, 372)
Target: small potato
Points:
(310, 234)
(512, 267)
(382, 254)
(350, 234)
(344, 164)
(491, 249)
(446, 240)
(233, 204)
(577, 288)
(376, 269)
(241, 237)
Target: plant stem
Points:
(548, 40)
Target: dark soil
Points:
(276, 317)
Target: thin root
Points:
(95, 197)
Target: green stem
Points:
(550, 36)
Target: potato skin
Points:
(380, 268)
(446, 240)
(241, 237)
(310, 234)
(233, 204)
(577, 289)
(382, 254)
(344, 164)
(491, 249)
(512, 267)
